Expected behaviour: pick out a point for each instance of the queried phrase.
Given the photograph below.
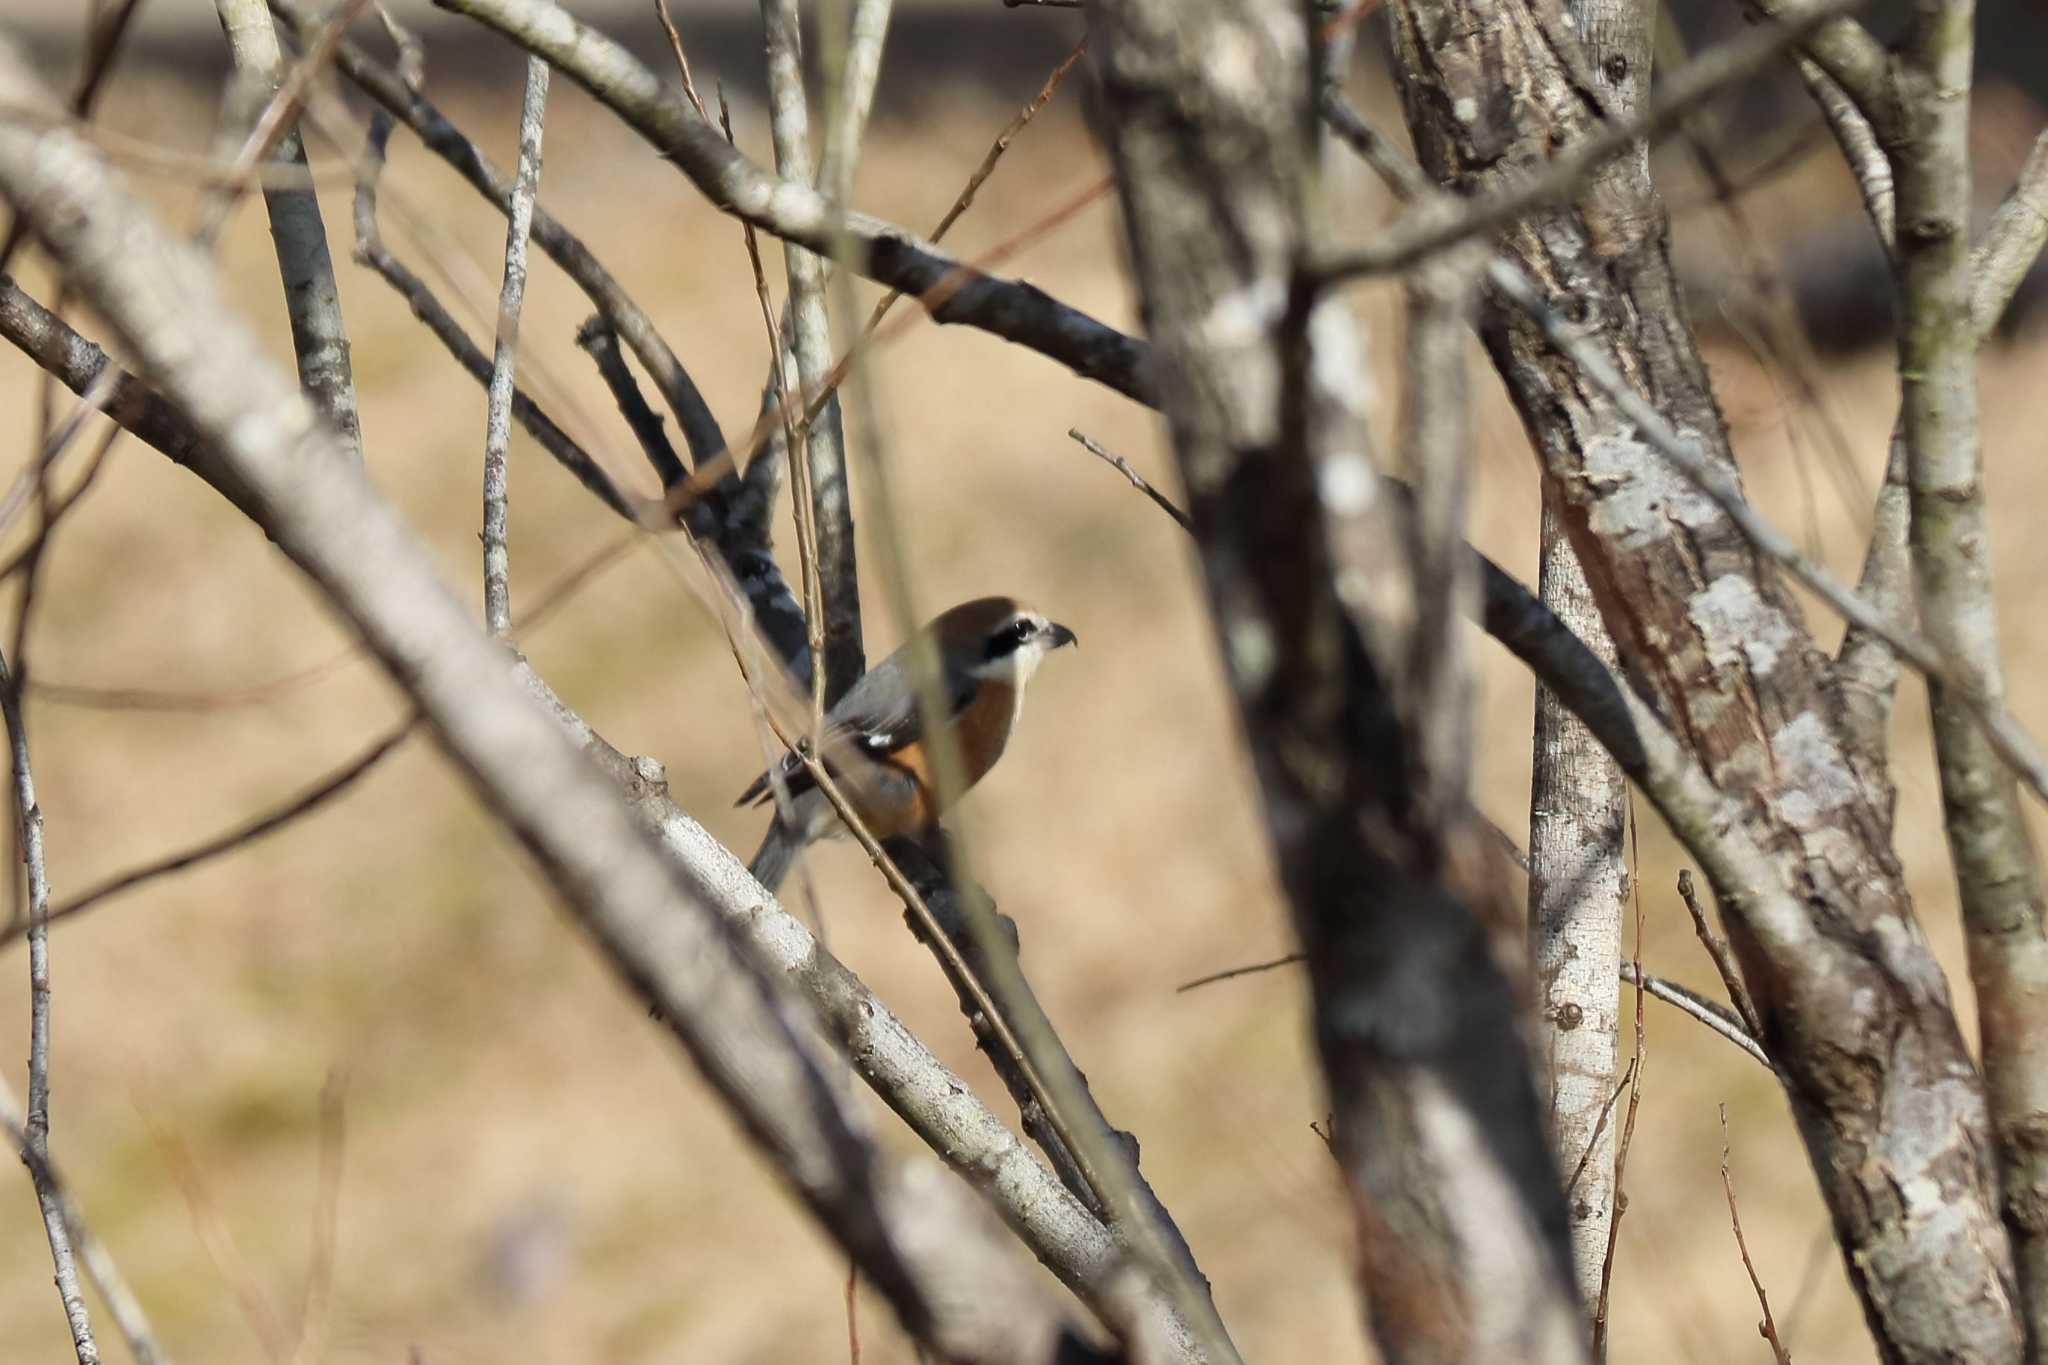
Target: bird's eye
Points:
(1021, 630)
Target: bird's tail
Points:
(779, 847)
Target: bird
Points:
(875, 746)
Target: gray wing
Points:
(879, 714)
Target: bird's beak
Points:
(1061, 635)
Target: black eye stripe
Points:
(1010, 638)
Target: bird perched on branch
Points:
(875, 747)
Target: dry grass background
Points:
(529, 1170)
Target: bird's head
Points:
(998, 638)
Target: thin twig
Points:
(371, 251)
(1600, 1125)
(1711, 1013)
(1012, 309)
(1235, 972)
(852, 1313)
(217, 1240)
(598, 339)
(36, 1125)
(23, 559)
(304, 802)
(1138, 481)
(1768, 1328)
(803, 507)
(100, 1267)
(1723, 957)
(399, 92)
(675, 42)
(965, 199)
(272, 123)
(314, 1305)
(497, 424)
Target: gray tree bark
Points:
(1891, 1110)
(1438, 1131)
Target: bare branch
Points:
(511, 298)
(882, 252)
(313, 304)
(1723, 959)
(80, 365)
(287, 812)
(853, 66)
(35, 1127)
(404, 102)
(1251, 969)
(2012, 242)
(1706, 627)
(938, 1106)
(105, 31)
(1633, 1084)
(1137, 480)
(1851, 58)
(1714, 1016)
(100, 1266)
(1768, 1328)
(1578, 806)
(371, 251)
(819, 455)
(1858, 141)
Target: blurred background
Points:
(510, 1161)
